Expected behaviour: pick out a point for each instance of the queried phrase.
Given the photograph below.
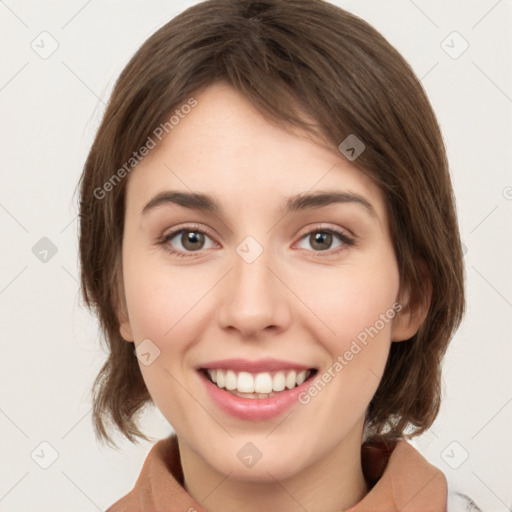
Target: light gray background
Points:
(49, 111)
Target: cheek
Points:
(165, 307)
(359, 307)
(348, 302)
(161, 300)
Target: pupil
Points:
(191, 239)
(321, 237)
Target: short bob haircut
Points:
(293, 60)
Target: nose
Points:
(254, 298)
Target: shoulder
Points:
(457, 501)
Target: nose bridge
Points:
(253, 298)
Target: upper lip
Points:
(260, 365)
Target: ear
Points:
(125, 327)
(412, 315)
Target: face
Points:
(268, 275)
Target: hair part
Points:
(296, 62)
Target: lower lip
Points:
(254, 409)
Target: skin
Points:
(295, 302)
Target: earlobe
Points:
(125, 327)
(125, 330)
(406, 324)
(412, 315)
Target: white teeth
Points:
(220, 379)
(254, 395)
(279, 381)
(301, 377)
(263, 383)
(259, 385)
(291, 379)
(231, 380)
(245, 383)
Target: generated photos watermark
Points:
(158, 133)
(343, 360)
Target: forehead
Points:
(225, 148)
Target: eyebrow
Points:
(297, 202)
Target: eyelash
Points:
(163, 241)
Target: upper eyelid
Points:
(338, 231)
(173, 232)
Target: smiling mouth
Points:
(257, 385)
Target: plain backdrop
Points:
(50, 107)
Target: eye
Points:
(322, 239)
(185, 240)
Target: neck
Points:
(335, 482)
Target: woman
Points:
(269, 239)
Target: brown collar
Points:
(400, 478)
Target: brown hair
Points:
(292, 59)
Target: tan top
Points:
(400, 478)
